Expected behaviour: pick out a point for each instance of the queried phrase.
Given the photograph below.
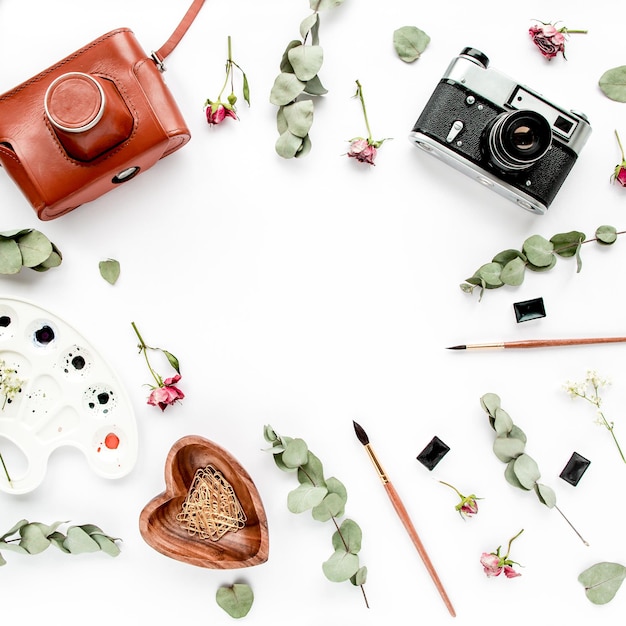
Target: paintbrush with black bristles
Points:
(403, 515)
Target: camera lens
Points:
(518, 139)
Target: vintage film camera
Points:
(503, 134)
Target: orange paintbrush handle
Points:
(406, 520)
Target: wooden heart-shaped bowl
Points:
(161, 529)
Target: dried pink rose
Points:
(468, 505)
(549, 39)
(494, 564)
(216, 112)
(167, 394)
(364, 149)
(619, 174)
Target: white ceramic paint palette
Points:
(69, 397)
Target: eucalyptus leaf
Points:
(613, 83)
(10, 257)
(567, 244)
(269, 434)
(513, 272)
(331, 506)
(340, 566)
(286, 88)
(517, 433)
(78, 541)
(33, 539)
(526, 470)
(312, 472)
(503, 424)
(305, 147)
(511, 478)
(296, 453)
(54, 260)
(360, 578)
(299, 117)
(538, 250)
(236, 600)
(506, 256)
(35, 248)
(305, 497)
(506, 449)
(542, 268)
(348, 537)
(546, 495)
(285, 64)
(306, 61)
(314, 87)
(490, 402)
(490, 273)
(409, 43)
(307, 24)
(288, 145)
(606, 234)
(602, 581)
(110, 270)
(14, 529)
(15, 233)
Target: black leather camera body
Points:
(505, 135)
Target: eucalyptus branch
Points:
(509, 446)
(326, 499)
(33, 538)
(298, 84)
(537, 254)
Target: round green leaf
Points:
(35, 248)
(305, 497)
(306, 61)
(509, 474)
(10, 257)
(288, 145)
(299, 117)
(513, 272)
(490, 273)
(506, 448)
(567, 244)
(285, 65)
(546, 495)
(544, 268)
(286, 88)
(340, 566)
(502, 422)
(360, 577)
(296, 453)
(331, 506)
(409, 43)
(236, 600)
(307, 24)
(606, 234)
(348, 537)
(305, 147)
(490, 402)
(602, 580)
(311, 472)
(526, 470)
(506, 256)
(110, 270)
(517, 433)
(538, 250)
(314, 87)
(613, 83)
(15, 233)
(78, 541)
(33, 539)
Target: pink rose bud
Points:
(363, 151)
(216, 113)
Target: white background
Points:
(308, 293)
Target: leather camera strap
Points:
(166, 49)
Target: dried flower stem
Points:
(144, 348)
(359, 93)
(571, 525)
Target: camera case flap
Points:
(92, 121)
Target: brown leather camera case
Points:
(147, 125)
